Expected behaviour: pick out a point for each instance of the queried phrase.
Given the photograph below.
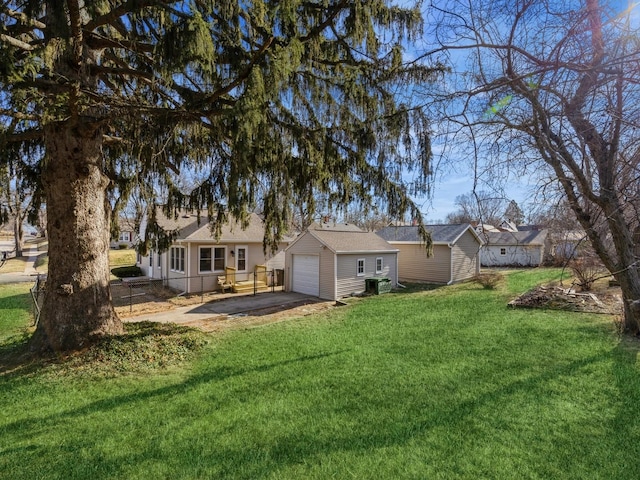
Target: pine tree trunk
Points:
(77, 307)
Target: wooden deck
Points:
(248, 286)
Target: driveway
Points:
(239, 311)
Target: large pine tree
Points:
(264, 101)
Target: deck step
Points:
(244, 287)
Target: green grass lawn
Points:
(425, 383)
(117, 258)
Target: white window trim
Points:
(174, 252)
(381, 269)
(364, 267)
(246, 258)
(213, 258)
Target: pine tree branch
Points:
(23, 18)
(130, 6)
(16, 43)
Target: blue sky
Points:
(451, 182)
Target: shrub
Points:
(123, 246)
(127, 272)
(488, 280)
(586, 270)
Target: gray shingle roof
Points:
(352, 241)
(530, 237)
(439, 233)
(232, 232)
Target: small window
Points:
(241, 253)
(379, 265)
(205, 260)
(503, 251)
(176, 259)
(360, 267)
(124, 237)
(218, 258)
(159, 258)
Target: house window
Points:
(212, 259)
(138, 259)
(159, 257)
(379, 265)
(503, 251)
(124, 237)
(176, 259)
(205, 259)
(360, 267)
(241, 259)
(151, 258)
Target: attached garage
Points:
(306, 274)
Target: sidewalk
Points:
(32, 255)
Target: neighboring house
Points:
(332, 261)
(508, 226)
(196, 260)
(127, 237)
(455, 256)
(514, 249)
(481, 228)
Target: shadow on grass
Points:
(215, 375)
(416, 288)
(144, 346)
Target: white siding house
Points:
(513, 249)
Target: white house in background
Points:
(513, 249)
(127, 237)
(332, 261)
(456, 253)
(196, 260)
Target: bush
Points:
(586, 270)
(123, 246)
(127, 272)
(488, 280)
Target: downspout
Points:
(450, 282)
(186, 280)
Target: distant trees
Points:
(16, 200)
(482, 206)
(514, 213)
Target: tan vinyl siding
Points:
(465, 257)
(415, 266)
(349, 283)
(327, 275)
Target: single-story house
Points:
(513, 249)
(456, 253)
(196, 261)
(332, 261)
(127, 237)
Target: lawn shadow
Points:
(411, 287)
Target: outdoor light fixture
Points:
(232, 253)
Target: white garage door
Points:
(306, 274)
